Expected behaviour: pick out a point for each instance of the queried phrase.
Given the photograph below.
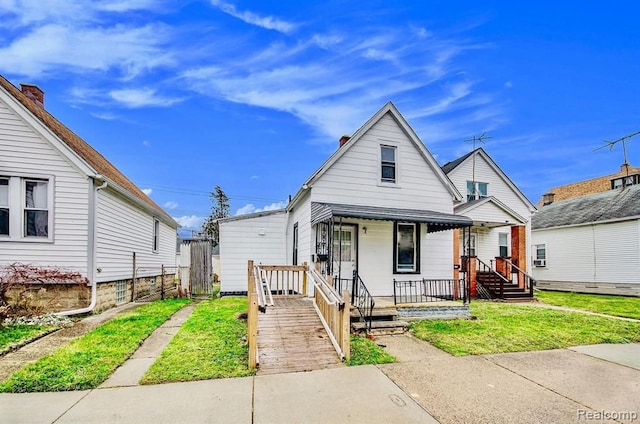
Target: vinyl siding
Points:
(306, 236)
(608, 252)
(123, 228)
(23, 152)
(240, 241)
(355, 177)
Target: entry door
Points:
(344, 252)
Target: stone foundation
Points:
(433, 312)
(618, 289)
(37, 298)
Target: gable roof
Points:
(450, 166)
(390, 109)
(465, 208)
(91, 157)
(612, 205)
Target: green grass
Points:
(619, 306)
(504, 327)
(89, 360)
(210, 344)
(365, 351)
(17, 335)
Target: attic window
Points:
(388, 164)
(625, 181)
(476, 190)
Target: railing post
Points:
(304, 278)
(250, 278)
(252, 329)
(346, 327)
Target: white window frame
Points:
(537, 257)
(17, 208)
(383, 181)
(475, 194)
(155, 242)
(415, 268)
(500, 245)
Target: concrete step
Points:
(382, 314)
(380, 328)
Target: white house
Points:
(380, 205)
(589, 244)
(63, 205)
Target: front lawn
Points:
(89, 360)
(13, 335)
(503, 327)
(365, 351)
(211, 344)
(619, 306)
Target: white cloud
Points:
(250, 208)
(508, 84)
(170, 205)
(146, 143)
(106, 116)
(190, 222)
(141, 97)
(267, 22)
(147, 191)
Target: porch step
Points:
(381, 328)
(380, 314)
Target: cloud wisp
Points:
(251, 18)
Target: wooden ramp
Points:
(291, 338)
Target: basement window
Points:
(121, 291)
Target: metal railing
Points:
(363, 301)
(483, 267)
(333, 310)
(428, 290)
(523, 279)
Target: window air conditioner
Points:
(539, 262)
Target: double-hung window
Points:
(476, 190)
(25, 208)
(406, 248)
(388, 173)
(540, 255)
(503, 242)
(156, 234)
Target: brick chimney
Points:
(344, 139)
(34, 93)
(625, 167)
(548, 198)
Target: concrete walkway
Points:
(530, 387)
(130, 373)
(338, 395)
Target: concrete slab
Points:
(21, 408)
(153, 346)
(471, 389)
(624, 354)
(593, 383)
(354, 395)
(129, 373)
(211, 401)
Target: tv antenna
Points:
(623, 140)
(480, 139)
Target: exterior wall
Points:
(260, 238)
(586, 257)
(355, 178)
(582, 188)
(123, 229)
(145, 286)
(24, 153)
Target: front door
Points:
(344, 252)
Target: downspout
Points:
(91, 249)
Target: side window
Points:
(295, 243)
(156, 235)
(36, 208)
(388, 164)
(406, 248)
(476, 190)
(4, 206)
(540, 255)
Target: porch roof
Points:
(437, 221)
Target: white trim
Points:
(464, 208)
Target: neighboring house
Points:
(63, 205)
(627, 176)
(501, 213)
(380, 206)
(591, 243)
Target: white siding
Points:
(260, 238)
(306, 239)
(355, 177)
(24, 153)
(123, 228)
(490, 212)
(608, 252)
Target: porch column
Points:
(456, 253)
(472, 275)
(519, 250)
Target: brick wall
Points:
(582, 188)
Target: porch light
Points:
(364, 229)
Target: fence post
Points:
(252, 328)
(346, 327)
(250, 278)
(133, 279)
(162, 282)
(304, 278)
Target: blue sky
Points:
(253, 96)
